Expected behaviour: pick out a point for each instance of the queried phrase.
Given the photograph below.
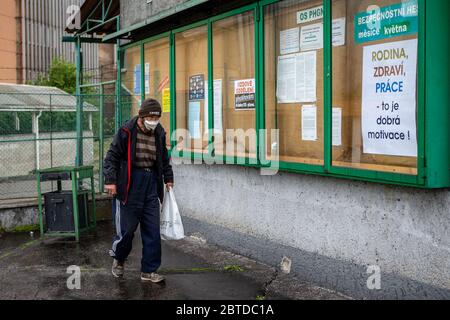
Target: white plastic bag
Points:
(171, 224)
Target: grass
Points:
(233, 268)
(22, 229)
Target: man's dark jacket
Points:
(121, 156)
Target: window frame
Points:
(185, 154)
(141, 44)
(209, 156)
(121, 55)
(168, 36)
(353, 173)
(419, 180)
(390, 177)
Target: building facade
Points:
(10, 54)
(350, 179)
(31, 35)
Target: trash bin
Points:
(59, 211)
(66, 213)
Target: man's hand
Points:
(169, 186)
(111, 189)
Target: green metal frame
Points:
(183, 154)
(118, 113)
(101, 136)
(86, 28)
(210, 155)
(378, 176)
(77, 174)
(436, 52)
(79, 115)
(211, 149)
(173, 110)
(72, 39)
(101, 142)
(433, 101)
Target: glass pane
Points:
(156, 78)
(294, 97)
(131, 79)
(191, 50)
(234, 86)
(375, 85)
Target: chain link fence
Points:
(38, 131)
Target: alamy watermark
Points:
(73, 19)
(374, 279)
(74, 280)
(235, 146)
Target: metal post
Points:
(75, 204)
(328, 86)
(36, 137)
(118, 108)
(173, 101)
(79, 115)
(94, 208)
(39, 192)
(101, 141)
(51, 134)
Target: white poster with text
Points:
(309, 123)
(389, 99)
(290, 41)
(217, 107)
(297, 77)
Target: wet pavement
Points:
(34, 269)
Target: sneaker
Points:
(118, 268)
(153, 277)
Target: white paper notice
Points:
(338, 32)
(218, 106)
(217, 92)
(389, 99)
(297, 78)
(309, 123)
(311, 37)
(337, 127)
(290, 41)
(306, 76)
(194, 119)
(286, 81)
(147, 78)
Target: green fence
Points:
(39, 131)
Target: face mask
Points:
(151, 125)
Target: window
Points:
(131, 79)
(234, 86)
(191, 67)
(157, 77)
(375, 85)
(294, 95)
(342, 82)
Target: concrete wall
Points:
(331, 229)
(132, 11)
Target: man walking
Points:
(136, 168)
